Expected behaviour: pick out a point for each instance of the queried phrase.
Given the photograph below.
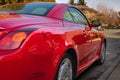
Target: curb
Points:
(108, 72)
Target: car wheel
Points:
(65, 70)
(101, 60)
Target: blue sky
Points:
(114, 4)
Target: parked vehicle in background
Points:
(114, 27)
(100, 28)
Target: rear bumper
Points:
(21, 65)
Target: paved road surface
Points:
(113, 50)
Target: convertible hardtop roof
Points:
(58, 11)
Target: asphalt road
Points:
(113, 50)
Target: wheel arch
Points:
(105, 41)
(73, 55)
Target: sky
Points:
(112, 4)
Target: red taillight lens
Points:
(18, 37)
(12, 40)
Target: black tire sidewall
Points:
(100, 61)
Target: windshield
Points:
(41, 9)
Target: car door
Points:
(75, 20)
(96, 41)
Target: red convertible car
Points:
(48, 41)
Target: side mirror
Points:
(95, 23)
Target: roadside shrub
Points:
(12, 7)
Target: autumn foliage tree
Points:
(109, 16)
(2, 2)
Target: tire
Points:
(102, 58)
(66, 69)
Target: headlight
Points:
(14, 39)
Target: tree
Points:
(18, 1)
(9, 1)
(119, 14)
(71, 1)
(82, 2)
(78, 2)
(109, 17)
(2, 2)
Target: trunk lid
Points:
(17, 21)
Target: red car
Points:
(48, 41)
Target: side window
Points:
(82, 17)
(78, 16)
(68, 17)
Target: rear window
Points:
(41, 9)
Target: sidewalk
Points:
(113, 72)
(112, 33)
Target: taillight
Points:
(18, 37)
(12, 40)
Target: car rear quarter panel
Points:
(47, 46)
